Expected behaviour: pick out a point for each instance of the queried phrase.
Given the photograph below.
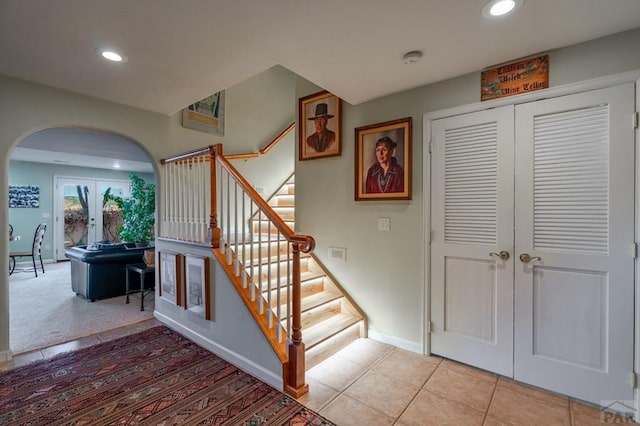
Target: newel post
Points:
(214, 150)
(296, 385)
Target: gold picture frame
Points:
(319, 121)
(383, 161)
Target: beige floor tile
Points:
(532, 392)
(407, 366)
(365, 351)
(431, 409)
(462, 388)
(586, 415)
(523, 406)
(319, 395)
(81, 343)
(346, 411)
(336, 372)
(471, 371)
(386, 394)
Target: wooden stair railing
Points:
(238, 200)
(267, 147)
(230, 201)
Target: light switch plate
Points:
(384, 224)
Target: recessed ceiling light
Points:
(116, 165)
(112, 55)
(499, 8)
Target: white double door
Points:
(532, 225)
(79, 210)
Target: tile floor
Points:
(371, 383)
(38, 354)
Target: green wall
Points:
(385, 271)
(25, 220)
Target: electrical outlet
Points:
(46, 215)
(384, 224)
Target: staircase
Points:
(330, 319)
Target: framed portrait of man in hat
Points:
(319, 133)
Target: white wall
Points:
(231, 333)
(384, 270)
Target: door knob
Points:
(504, 255)
(526, 258)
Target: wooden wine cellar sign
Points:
(515, 78)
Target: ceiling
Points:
(181, 51)
(85, 148)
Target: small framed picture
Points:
(319, 121)
(170, 277)
(206, 115)
(197, 283)
(383, 161)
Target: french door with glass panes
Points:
(82, 217)
(532, 220)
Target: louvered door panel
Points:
(470, 195)
(574, 204)
(472, 216)
(571, 180)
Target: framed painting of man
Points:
(383, 161)
(319, 120)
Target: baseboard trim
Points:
(5, 356)
(396, 341)
(236, 359)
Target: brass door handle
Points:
(526, 258)
(504, 255)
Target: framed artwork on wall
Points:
(206, 115)
(197, 285)
(383, 161)
(24, 196)
(170, 280)
(319, 119)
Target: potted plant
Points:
(138, 212)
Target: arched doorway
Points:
(70, 167)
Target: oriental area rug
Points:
(155, 377)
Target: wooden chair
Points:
(35, 249)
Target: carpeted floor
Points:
(156, 377)
(44, 311)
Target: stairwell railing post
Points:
(214, 150)
(296, 385)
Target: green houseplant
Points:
(138, 211)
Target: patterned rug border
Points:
(153, 376)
